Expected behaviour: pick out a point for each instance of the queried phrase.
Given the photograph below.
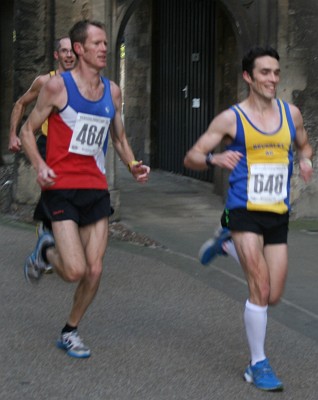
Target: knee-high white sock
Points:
(229, 248)
(255, 319)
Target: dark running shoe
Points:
(213, 247)
(34, 265)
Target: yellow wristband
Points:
(131, 164)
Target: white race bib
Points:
(89, 134)
(267, 183)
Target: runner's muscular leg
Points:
(68, 256)
(94, 239)
(276, 256)
(249, 247)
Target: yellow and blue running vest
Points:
(45, 125)
(261, 179)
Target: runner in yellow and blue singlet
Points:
(261, 179)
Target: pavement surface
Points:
(162, 326)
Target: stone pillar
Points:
(32, 56)
(6, 77)
(297, 46)
(137, 38)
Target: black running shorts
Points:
(84, 206)
(272, 226)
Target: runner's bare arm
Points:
(19, 109)
(303, 148)
(51, 96)
(223, 126)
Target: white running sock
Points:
(255, 319)
(229, 248)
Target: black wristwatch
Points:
(208, 160)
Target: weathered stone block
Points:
(25, 188)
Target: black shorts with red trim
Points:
(83, 206)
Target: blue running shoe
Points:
(213, 247)
(263, 377)
(73, 345)
(39, 231)
(41, 228)
(35, 265)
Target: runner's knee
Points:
(74, 273)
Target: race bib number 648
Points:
(267, 183)
(89, 134)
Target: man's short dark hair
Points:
(248, 61)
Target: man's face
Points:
(265, 77)
(65, 55)
(94, 50)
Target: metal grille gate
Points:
(184, 75)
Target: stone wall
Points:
(33, 49)
(6, 76)
(297, 45)
(137, 38)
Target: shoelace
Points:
(265, 371)
(73, 340)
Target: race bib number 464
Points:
(89, 134)
(267, 183)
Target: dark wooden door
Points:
(183, 79)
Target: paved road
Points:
(182, 213)
(162, 327)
